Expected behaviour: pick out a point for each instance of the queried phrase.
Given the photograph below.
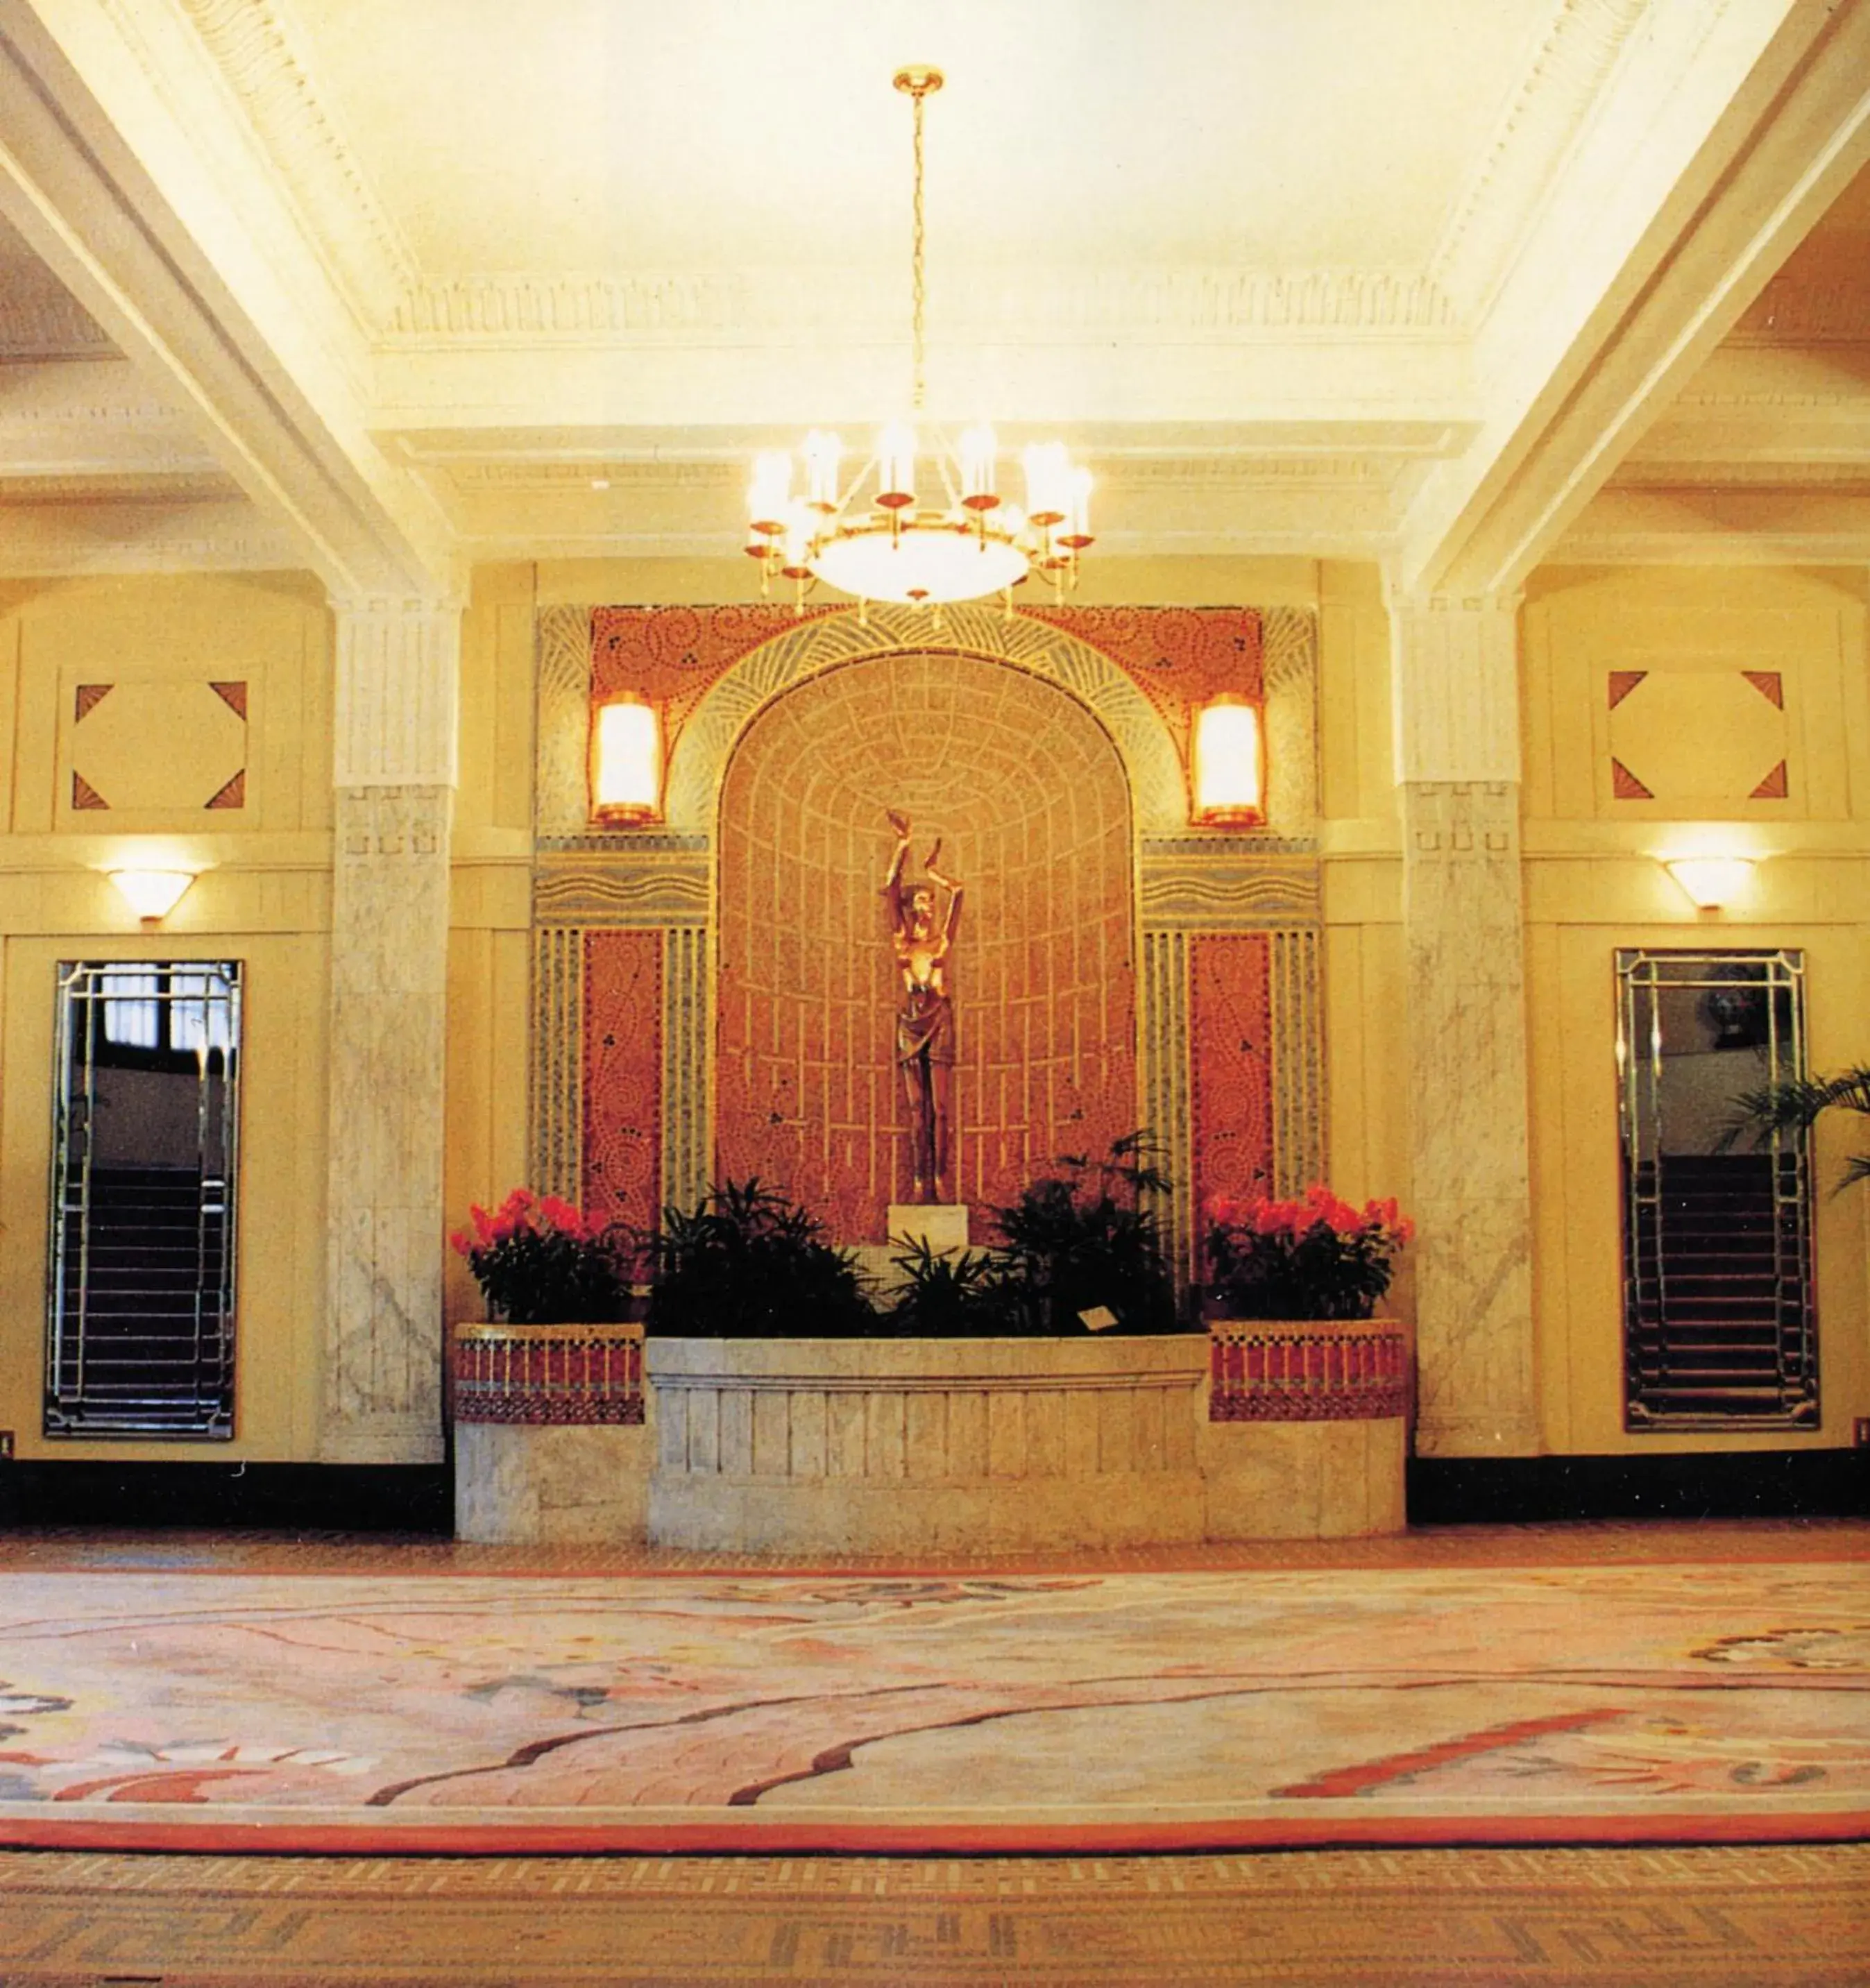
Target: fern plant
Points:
(965, 1295)
(1084, 1240)
(745, 1262)
(1795, 1104)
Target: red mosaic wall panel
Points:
(673, 656)
(1179, 657)
(1230, 1056)
(1027, 793)
(623, 1075)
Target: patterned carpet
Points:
(1776, 1918)
(150, 1707)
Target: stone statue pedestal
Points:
(942, 1225)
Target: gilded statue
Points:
(924, 918)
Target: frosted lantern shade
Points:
(1710, 881)
(626, 760)
(152, 894)
(1229, 783)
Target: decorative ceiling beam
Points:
(127, 169)
(1717, 146)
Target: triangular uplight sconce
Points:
(1709, 883)
(152, 894)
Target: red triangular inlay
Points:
(1769, 684)
(1774, 787)
(1624, 784)
(1622, 682)
(89, 697)
(86, 796)
(233, 695)
(234, 794)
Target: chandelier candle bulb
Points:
(823, 452)
(978, 450)
(795, 558)
(896, 467)
(1048, 482)
(770, 494)
(1079, 536)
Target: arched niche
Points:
(1151, 766)
(1027, 791)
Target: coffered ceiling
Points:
(1454, 285)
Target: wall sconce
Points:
(152, 894)
(1229, 769)
(626, 767)
(1708, 882)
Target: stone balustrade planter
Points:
(553, 1434)
(900, 1446)
(1307, 1428)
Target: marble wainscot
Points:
(1307, 1428)
(553, 1434)
(887, 1446)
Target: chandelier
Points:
(915, 528)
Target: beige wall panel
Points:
(1693, 629)
(282, 1194)
(10, 641)
(496, 704)
(266, 631)
(1572, 1000)
(1356, 743)
(1367, 1136)
(485, 1154)
(511, 803)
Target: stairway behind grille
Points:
(144, 1345)
(1718, 1331)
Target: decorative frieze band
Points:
(638, 885)
(1300, 1371)
(549, 1376)
(1227, 886)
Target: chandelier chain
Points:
(919, 287)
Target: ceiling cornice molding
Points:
(1580, 44)
(261, 52)
(521, 309)
(56, 541)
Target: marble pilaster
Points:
(394, 775)
(1465, 950)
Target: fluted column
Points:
(394, 777)
(1458, 765)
